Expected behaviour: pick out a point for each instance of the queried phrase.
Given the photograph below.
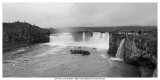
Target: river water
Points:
(53, 60)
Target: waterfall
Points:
(100, 36)
(100, 39)
(120, 51)
(96, 40)
(83, 37)
(61, 39)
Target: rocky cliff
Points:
(114, 41)
(142, 52)
(18, 34)
(139, 50)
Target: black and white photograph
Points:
(79, 39)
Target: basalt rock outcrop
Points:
(114, 41)
(142, 51)
(17, 34)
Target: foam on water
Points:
(116, 59)
(51, 51)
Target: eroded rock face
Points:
(145, 72)
(114, 41)
(142, 52)
(139, 50)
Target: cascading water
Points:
(100, 36)
(120, 51)
(83, 37)
(98, 40)
(62, 39)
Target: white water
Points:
(83, 36)
(120, 52)
(62, 39)
(99, 40)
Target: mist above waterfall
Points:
(95, 40)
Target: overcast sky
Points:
(81, 14)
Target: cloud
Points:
(115, 14)
(81, 14)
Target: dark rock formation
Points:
(20, 33)
(142, 52)
(83, 52)
(139, 50)
(114, 41)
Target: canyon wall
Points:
(142, 52)
(139, 50)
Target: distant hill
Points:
(104, 29)
(118, 28)
(19, 33)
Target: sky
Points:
(47, 15)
